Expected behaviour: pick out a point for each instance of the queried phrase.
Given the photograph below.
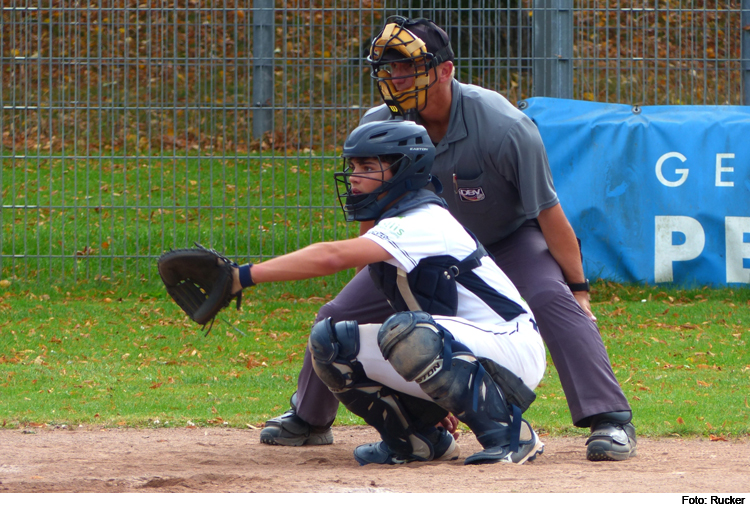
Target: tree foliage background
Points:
(157, 76)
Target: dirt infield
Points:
(233, 460)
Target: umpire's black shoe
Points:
(291, 430)
(612, 437)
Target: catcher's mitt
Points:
(199, 280)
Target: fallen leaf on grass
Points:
(703, 384)
(680, 420)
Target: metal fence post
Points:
(745, 31)
(553, 48)
(263, 28)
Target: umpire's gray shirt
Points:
(491, 162)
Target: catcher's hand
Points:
(199, 280)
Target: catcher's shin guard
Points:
(406, 423)
(421, 350)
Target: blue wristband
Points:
(246, 279)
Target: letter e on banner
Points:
(738, 249)
(721, 168)
(665, 252)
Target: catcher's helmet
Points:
(420, 43)
(407, 148)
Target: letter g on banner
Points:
(682, 171)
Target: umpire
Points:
(493, 165)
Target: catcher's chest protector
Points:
(431, 285)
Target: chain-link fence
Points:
(130, 127)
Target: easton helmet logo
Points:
(471, 195)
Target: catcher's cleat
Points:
(292, 431)
(610, 440)
(529, 447)
(446, 449)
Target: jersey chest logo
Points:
(471, 195)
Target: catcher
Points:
(462, 340)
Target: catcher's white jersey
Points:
(429, 231)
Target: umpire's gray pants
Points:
(571, 337)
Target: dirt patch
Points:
(233, 460)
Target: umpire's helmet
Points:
(419, 43)
(403, 144)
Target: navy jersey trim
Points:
(500, 304)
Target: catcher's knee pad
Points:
(334, 349)
(422, 350)
(412, 342)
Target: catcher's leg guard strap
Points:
(466, 389)
(451, 375)
(405, 423)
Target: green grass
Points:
(63, 219)
(115, 356)
(125, 355)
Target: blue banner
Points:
(657, 193)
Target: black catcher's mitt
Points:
(199, 280)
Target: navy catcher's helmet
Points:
(403, 144)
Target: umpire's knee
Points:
(332, 310)
(545, 291)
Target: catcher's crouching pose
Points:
(462, 340)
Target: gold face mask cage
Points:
(395, 37)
